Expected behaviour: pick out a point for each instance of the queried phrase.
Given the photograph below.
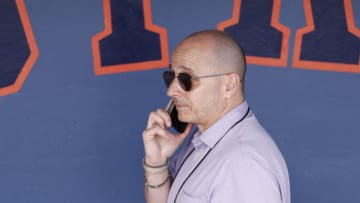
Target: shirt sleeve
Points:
(245, 181)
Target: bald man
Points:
(230, 157)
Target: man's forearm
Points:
(157, 187)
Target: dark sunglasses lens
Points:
(168, 77)
(185, 81)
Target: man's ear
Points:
(232, 84)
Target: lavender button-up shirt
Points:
(235, 160)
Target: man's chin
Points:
(184, 115)
(183, 118)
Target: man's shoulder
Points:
(251, 142)
(250, 136)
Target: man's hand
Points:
(159, 142)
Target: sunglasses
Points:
(185, 79)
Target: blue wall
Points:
(69, 135)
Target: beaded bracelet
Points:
(156, 186)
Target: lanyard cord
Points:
(207, 153)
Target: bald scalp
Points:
(227, 55)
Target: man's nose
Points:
(174, 88)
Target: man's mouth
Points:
(179, 105)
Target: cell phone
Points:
(175, 122)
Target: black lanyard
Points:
(207, 153)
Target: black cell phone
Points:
(175, 122)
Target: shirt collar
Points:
(210, 136)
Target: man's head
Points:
(208, 53)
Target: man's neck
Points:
(230, 105)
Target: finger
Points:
(156, 118)
(165, 115)
(157, 130)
